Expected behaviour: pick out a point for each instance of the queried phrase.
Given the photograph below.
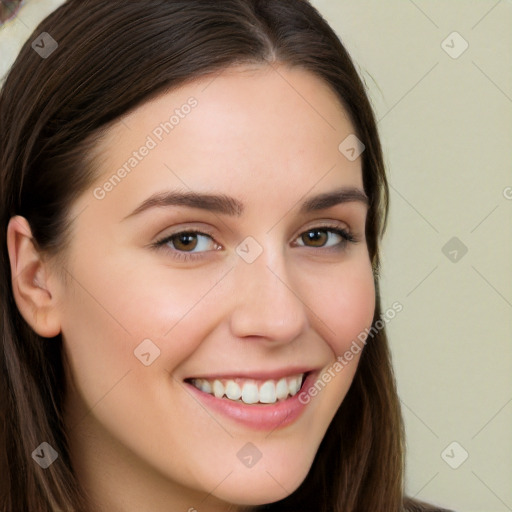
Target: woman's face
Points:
(212, 262)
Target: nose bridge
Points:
(267, 305)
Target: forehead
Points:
(244, 130)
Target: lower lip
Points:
(258, 416)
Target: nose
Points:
(266, 305)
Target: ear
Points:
(31, 283)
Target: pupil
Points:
(316, 237)
(187, 240)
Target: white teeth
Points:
(206, 386)
(294, 385)
(268, 393)
(247, 390)
(218, 389)
(233, 391)
(250, 393)
(282, 389)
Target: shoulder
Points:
(412, 505)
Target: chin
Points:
(251, 487)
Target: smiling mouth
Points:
(251, 391)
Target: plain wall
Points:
(446, 128)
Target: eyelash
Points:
(346, 235)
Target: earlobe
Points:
(31, 282)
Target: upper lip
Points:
(257, 374)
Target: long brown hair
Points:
(111, 57)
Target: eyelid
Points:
(326, 224)
(200, 229)
(331, 224)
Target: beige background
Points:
(446, 127)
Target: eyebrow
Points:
(221, 203)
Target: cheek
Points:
(116, 305)
(344, 309)
(345, 304)
(109, 312)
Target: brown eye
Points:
(188, 246)
(315, 237)
(184, 241)
(328, 237)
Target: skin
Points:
(139, 440)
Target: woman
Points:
(193, 194)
